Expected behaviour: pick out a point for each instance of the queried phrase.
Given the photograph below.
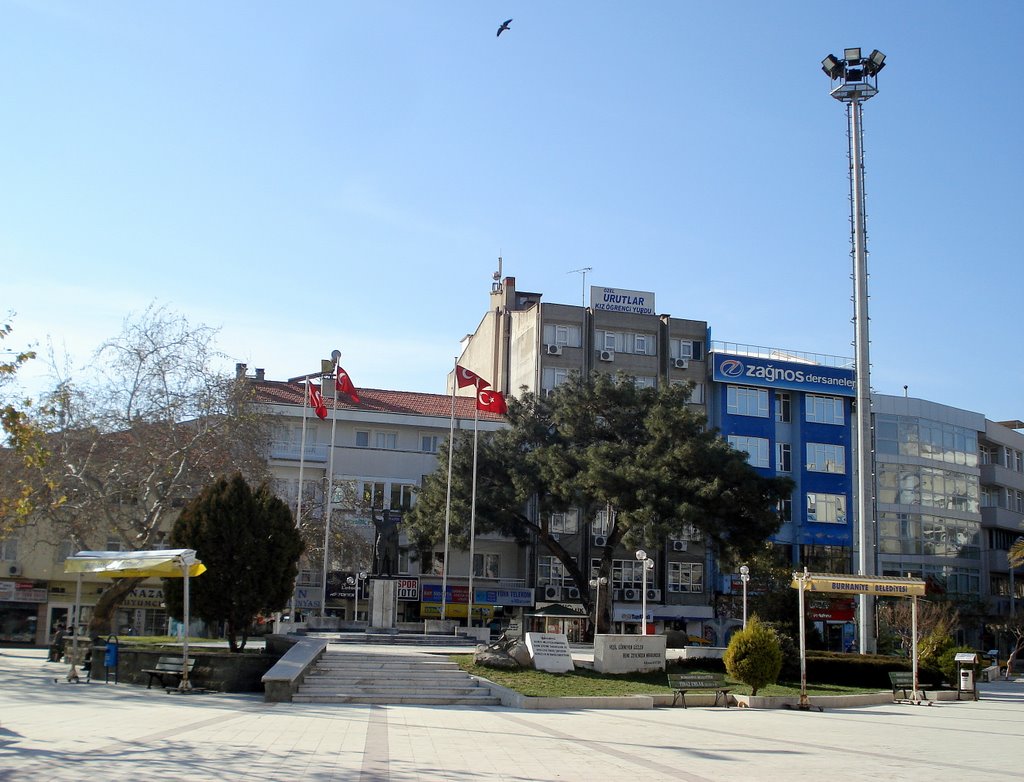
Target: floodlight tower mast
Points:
(858, 82)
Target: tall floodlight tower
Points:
(857, 79)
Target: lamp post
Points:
(355, 580)
(597, 583)
(858, 82)
(744, 577)
(646, 564)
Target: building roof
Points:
(274, 392)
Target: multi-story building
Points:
(1001, 454)
(791, 412)
(525, 343)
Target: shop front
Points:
(22, 612)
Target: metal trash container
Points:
(966, 663)
(966, 680)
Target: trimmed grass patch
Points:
(585, 682)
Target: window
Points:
(566, 335)
(387, 440)
(628, 574)
(687, 532)
(603, 523)
(626, 342)
(686, 348)
(486, 565)
(428, 443)
(824, 409)
(373, 495)
(783, 457)
(685, 577)
(403, 495)
(786, 510)
(828, 508)
(362, 439)
(553, 377)
(825, 457)
(564, 523)
(756, 448)
(9, 549)
(645, 381)
(550, 570)
(783, 407)
(741, 400)
(697, 394)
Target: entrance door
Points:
(57, 612)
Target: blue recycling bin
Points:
(110, 656)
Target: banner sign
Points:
(308, 599)
(882, 586)
(812, 378)
(621, 300)
(144, 597)
(830, 609)
(505, 597)
(431, 593)
(408, 589)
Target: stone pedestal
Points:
(629, 653)
(383, 605)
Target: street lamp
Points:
(354, 581)
(597, 583)
(647, 564)
(858, 82)
(744, 577)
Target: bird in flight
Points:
(504, 26)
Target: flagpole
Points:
(448, 498)
(335, 357)
(302, 462)
(472, 512)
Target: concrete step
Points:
(418, 700)
(378, 688)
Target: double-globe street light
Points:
(744, 577)
(597, 583)
(355, 581)
(646, 564)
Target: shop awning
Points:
(559, 611)
(163, 563)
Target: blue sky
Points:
(344, 175)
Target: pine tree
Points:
(754, 656)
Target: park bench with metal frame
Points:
(168, 666)
(904, 681)
(681, 683)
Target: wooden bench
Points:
(681, 683)
(904, 680)
(168, 667)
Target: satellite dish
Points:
(335, 356)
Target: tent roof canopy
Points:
(557, 610)
(163, 563)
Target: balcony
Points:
(284, 449)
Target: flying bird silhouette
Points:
(504, 26)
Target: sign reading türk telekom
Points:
(621, 300)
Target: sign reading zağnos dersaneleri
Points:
(621, 300)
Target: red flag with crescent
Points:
(467, 377)
(316, 401)
(491, 401)
(344, 384)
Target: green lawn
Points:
(584, 682)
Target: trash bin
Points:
(967, 680)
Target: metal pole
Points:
(185, 683)
(804, 703)
(913, 635)
(335, 357)
(863, 462)
(472, 513)
(448, 499)
(643, 600)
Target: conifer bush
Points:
(754, 656)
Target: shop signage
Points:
(882, 586)
(408, 589)
(431, 593)
(144, 597)
(621, 300)
(455, 611)
(22, 592)
(840, 609)
(505, 597)
(308, 598)
(813, 378)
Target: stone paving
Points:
(57, 731)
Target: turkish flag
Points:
(344, 384)
(467, 377)
(316, 401)
(490, 401)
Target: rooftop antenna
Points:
(583, 272)
(496, 285)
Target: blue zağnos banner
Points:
(810, 378)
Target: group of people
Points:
(57, 643)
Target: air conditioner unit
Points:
(606, 355)
(14, 570)
(552, 592)
(553, 350)
(681, 363)
(600, 541)
(631, 594)
(654, 594)
(679, 545)
(572, 593)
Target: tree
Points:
(1013, 626)
(936, 621)
(754, 655)
(26, 450)
(595, 443)
(249, 544)
(144, 427)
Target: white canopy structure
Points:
(162, 563)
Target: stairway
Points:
(396, 678)
(403, 639)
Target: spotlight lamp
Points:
(832, 67)
(875, 62)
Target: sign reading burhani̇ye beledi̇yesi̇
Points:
(752, 371)
(621, 300)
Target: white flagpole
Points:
(302, 462)
(335, 357)
(472, 512)
(448, 497)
